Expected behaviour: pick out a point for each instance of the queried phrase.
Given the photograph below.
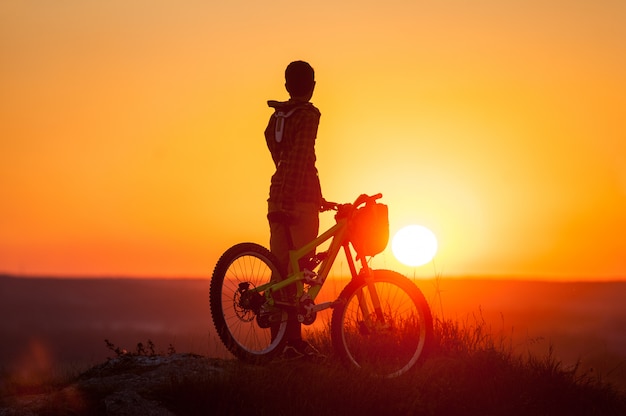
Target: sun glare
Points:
(414, 245)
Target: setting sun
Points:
(414, 245)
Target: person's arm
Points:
(270, 141)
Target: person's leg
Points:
(279, 246)
(304, 226)
(307, 226)
(303, 231)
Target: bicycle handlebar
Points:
(364, 198)
(361, 199)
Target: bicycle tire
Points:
(393, 347)
(236, 325)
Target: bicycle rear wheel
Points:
(235, 309)
(387, 340)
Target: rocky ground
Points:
(122, 386)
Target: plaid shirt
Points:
(295, 179)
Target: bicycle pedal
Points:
(310, 277)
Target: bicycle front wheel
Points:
(383, 327)
(235, 308)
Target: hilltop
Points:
(188, 384)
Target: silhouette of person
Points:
(295, 192)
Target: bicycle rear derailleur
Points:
(248, 299)
(251, 304)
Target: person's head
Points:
(300, 80)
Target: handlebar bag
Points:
(369, 229)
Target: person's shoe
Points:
(301, 349)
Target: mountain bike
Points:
(381, 322)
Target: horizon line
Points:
(486, 276)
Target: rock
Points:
(121, 386)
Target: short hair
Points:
(299, 78)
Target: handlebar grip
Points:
(363, 198)
(328, 205)
(367, 198)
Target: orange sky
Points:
(131, 132)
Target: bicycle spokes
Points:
(242, 322)
(384, 325)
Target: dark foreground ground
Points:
(472, 381)
(49, 326)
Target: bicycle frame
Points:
(380, 321)
(299, 277)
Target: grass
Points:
(469, 372)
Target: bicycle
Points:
(381, 322)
